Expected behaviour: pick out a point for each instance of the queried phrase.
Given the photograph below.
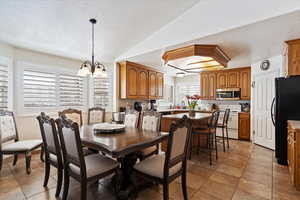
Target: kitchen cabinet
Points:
(230, 78)
(293, 141)
(244, 126)
(204, 86)
(293, 57)
(233, 79)
(139, 82)
(221, 79)
(245, 83)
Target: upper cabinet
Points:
(293, 57)
(139, 82)
(231, 78)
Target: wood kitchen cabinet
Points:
(245, 83)
(139, 82)
(230, 78)
(293, 141)
(293, 57)
(244, 126)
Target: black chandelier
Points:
(94, 68)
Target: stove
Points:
(233, 121)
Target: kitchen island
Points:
(200, 119)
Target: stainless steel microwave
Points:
(228, 94)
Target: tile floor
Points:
(245, 172)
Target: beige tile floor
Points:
(245, 172)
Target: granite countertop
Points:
(294, 124)
(180, 115)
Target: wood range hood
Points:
(196, 58)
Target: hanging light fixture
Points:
(94, 68)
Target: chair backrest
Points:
(150, 121)
(226, 117)
(96, 115)
(8, 128)
(131, 119)
(213, 122)
(73, 114)
(178, 144)
(49, 135)
(70, 141)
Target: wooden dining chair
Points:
(83, 169)
(224, 126)
(165, 168)
(9, 141)
(210, 132)
(53, 154)
(150, 121)
(73, 114)
(96, 115)
(131, 119)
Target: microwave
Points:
(228, 94)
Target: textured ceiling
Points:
(61, 27)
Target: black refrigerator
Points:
(285, 106)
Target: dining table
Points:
(122, 146)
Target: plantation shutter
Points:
(39, 89)
(70, 90)
(102, 93)
(3, 87)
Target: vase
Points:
(192, 113)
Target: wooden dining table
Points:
(124, 147)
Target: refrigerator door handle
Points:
(272, 111)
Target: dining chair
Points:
(210, 132)
(150, 121)
(131, 119)
(224, 126)
(73, 114)
(9, 141)
(53, 155)
(83, 169)
(165, 168)
(96, 115)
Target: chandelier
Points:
(93, 68)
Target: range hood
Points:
(196, 58)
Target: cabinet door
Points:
(212, 85)
(143, 82)
(221, 80)
(152, 85)
(233, 79)
(132, 81)
(204, 85)
(291, 153)
(160, 84)
(244, 126)
(245, 84)
(294, 59)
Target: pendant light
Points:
(94, 68)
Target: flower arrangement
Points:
(192, 101)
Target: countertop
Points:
(198, 116)
(187, 110)
(294, 123)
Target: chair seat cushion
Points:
(25, 145)
(149, 150)
(96, 164)
(53, 157)
(154, 166)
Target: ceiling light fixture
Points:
(94, 68)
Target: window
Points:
(3, 87)
(70, 90)
(102, 93)
(184, 90)
(39, 89)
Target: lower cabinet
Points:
(293, 141)
(244, 126)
